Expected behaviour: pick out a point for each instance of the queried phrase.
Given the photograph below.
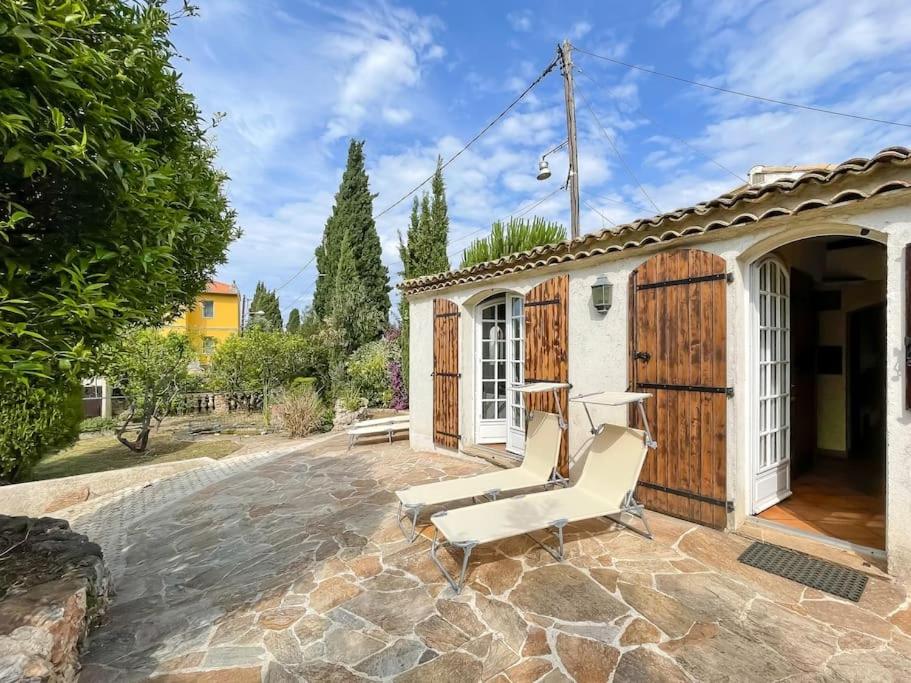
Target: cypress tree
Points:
(437, 260)
(294, 321)
(357, 322)
(266, 301)
(352, 216)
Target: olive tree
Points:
(151, 371)
(112, 213)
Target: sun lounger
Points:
(388, 426)
(604, 489)
(538, 468)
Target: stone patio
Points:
(295, 570)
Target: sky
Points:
(297, 79)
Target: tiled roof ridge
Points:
(559, 252)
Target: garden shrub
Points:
(368, 373)
(35, 419)
(97, 424)
(301, 412)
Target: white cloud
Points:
(520, 21)
(665, 12)
(396, 115)
(580, 29)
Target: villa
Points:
(770, 324)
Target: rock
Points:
(565, 593)
(536, 643)
(398, 657)
(348, 647)
(280, 617)
(642, 665)
(586, 660)
(528, 670)
(638, 632)
(846, 615)
(454, 667)
(332, 592)
(66, 499)
(503, 621)
(499, 658)
(283, 647)
(439, 634)
(670, 615)
(396, 613)
(606, 577)
(902, 619)
(461, 616)
(869, 666)
(739, 657)
(498, 575)
(365, 566)
(231, 675)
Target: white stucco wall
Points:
(598, 344)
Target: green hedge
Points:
(34, 420)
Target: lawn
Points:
(103, 453)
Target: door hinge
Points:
(729, 392)
(729, 277)
(729, 506)
(642, 355)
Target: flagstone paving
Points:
(295, 570)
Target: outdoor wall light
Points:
(602, 295)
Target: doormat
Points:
(810, 571)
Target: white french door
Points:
(772, 410)
(492, 369)
(515, 434)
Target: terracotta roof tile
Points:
(716, 212)
(215, 287)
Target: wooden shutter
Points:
(446, 373)
(677, 346)
(546, 342)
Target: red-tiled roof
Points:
(215, 287)
(727, 211)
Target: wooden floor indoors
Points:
(838, 498)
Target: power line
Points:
(617, 152)
(550, 67)
(296, 275)
(681, 140)
(761, 98)
(585, 201)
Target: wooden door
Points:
(446, 373)
(677, 353)
(546, 342)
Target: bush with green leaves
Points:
(369, 370)
(33, 421)
(151, 370)
(259, 361)
(518, 234)
(97, 424)
(112, 213)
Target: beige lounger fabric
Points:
(542, 447)
(610, 472)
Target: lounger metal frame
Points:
(630, 506)
(413, 510)
(556, 527)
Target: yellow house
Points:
(213, 318)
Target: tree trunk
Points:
(142, 439)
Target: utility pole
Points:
(566, 66)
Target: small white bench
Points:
(388, 426)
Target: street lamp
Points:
(543, 166)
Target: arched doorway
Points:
(500, 341)
(818, 372)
